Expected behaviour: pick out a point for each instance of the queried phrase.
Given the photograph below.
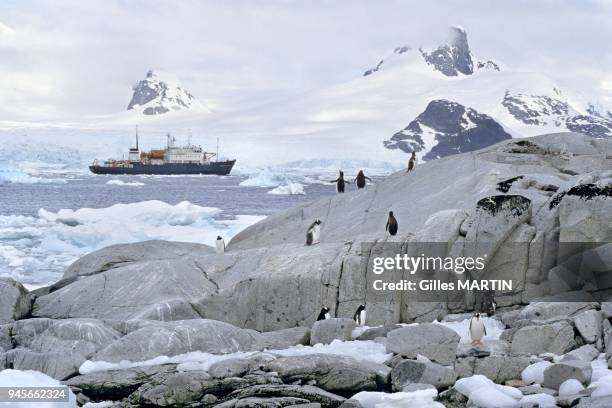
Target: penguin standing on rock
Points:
(412, 162)
(313, 235)
(391, 226)
(220, 245)
(339, 182)
(324, 314)
(477, 330)
(360, 316)
(361, 179)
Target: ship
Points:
(173, 160)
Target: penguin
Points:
(324, 314)
(360, 316)
(477, 330)
(391, 226)
(412, 162)
(361, 179)
(220, 245)
(313, 234)
(339, 182)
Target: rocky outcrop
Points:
(328, 330)
(15, 301)
(454, 58)
(410, 372)
(455, 128)
(433, 341)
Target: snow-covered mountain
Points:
(528, 106)
(160, 93)
(437, 100)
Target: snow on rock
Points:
(28, 378)
(419, 398)
(160, 93)
(484, 393)
(288, 189)
(540, 400)
(48, 243)
(368, 351)
(570, 387)
(124, 183)
(534, 374)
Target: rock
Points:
(495, 218)
(601, 402)
(160, 289)
(453, 58)
(173, 338)
(350, 403)
(59, 365)
(606, 310)
(416, 387)
(550, 310)
(336, 374)
(25, 331)
(277, 402)
(235, 367)
(374, 332)
(532, 389)
(15, 301)
(5, 337)
(308, 392)
(584, 213)
(557, 338)
(588, 324)
(557, 373)
(328, 330)
(117, 384)
(411, 371)
(433, 341)
(501, 368)
(184, 388)
(115, 256)
(282, 339)
(584, 353)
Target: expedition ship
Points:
(173, 159)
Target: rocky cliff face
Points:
(453, 128)
(454, 58)
(157, 94)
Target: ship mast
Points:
(137, 137)
(217, 148)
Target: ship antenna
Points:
(137, 137)
(217, 148)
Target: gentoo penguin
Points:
(360, 316)
(391, 226)
(324, 314)
(339, 182)
(412, 162)
(361, 179)
(220, 245)
(313, 234)
(477, 329)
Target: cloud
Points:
(69, 57)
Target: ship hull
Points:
(221, 168)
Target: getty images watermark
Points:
(438, 271)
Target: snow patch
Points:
(534, 373)
(419, 398)
(570, 387)
(484, 393)
(124, 183)
(29, 378)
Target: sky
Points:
(66, 59)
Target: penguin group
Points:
(359, 316)
(360, 180)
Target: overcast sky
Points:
(68, 58)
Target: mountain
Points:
(159, 93)
(508, 102)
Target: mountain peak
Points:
(453, 58)
(160, 93)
